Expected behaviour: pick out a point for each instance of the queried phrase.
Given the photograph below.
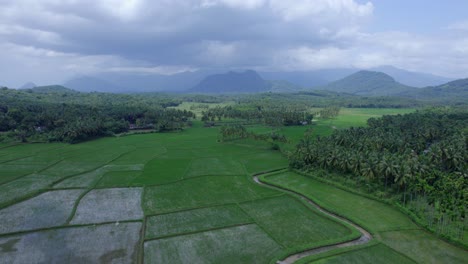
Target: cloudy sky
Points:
(49, 41)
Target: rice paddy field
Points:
(186, 198)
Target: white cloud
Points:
(339, 9)
(165, 70)
(242, 4)
(460, 25)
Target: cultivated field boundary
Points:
(365, 237)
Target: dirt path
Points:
(365, 236)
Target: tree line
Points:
(273, 116)
(67, 116)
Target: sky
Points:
(50, 41)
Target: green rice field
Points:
(185, 197)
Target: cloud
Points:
(68, 37)
(459, 26)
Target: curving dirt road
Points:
(365, 236)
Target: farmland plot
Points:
(109, 243)
(46, 210)
(291, 223)
(107, 205)
(215, 166)
(201, 192)
(24, 187)
(89, 178)
(241, 244)
(195, 220)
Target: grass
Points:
(424, 247)
(196, 220)
(371, 214)
(201, 192)
(241, 244)
(378, 253)
(214, 166)
(162, 170)
(394, 229)
(291, 223)
(114, 179)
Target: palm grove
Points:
(419, 158)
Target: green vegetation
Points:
(195, 220)
(187, 195)
(278, 214)
(374, 254)
(352, 206)
(68, 116)
(420, 157)
(388, 225)
(241, 244)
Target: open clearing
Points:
(184, 197)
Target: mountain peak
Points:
(28, 85)
(247, 81)
(368, 83)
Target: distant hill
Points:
(51, 89)
(280, 86)
(455, 90)
(28, 85)
(232, 82)
(309, 78)
(317, 78)
(368, 83)
(92, 84)
(415, 79)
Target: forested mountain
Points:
(92, 84)
(454, 91)
(309, 79)
(410, 78)
(128, 82)
(368, 83)
(280, 86)
(232, 82)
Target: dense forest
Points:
(419, 158)
(59, 114)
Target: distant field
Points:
(348, 117)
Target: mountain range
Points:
(361, 83)
(280, 81)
